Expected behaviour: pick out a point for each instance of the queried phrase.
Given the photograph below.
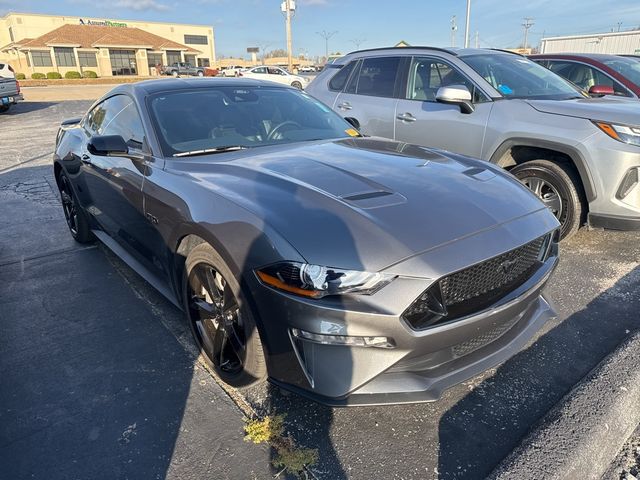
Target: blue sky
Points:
(373, 23)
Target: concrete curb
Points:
(583, 433)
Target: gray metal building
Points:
(613, 42)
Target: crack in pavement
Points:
(62, 251)
(19, 164)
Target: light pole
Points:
(326, 35)
(358, 42)
(467, 25)
(526, 25)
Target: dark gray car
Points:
(353, 270)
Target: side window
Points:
(339, 80)
(427, 75)
(377, 76)
(116, 116)
(259, 70)
(585, 76)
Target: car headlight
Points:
(316, 281)
(622, 133)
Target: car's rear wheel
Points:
(174, 73)
(557, 186)
(4, 108)
(220, 320)
(73, 213)
(297, 85)
(200, 73)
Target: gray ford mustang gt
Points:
(352, 270)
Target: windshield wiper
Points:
(207, 151)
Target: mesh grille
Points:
(492, 274)
(478, 287)
(480, 341)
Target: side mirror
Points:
(456, 95)
(111, 146)
(599, 90)
(354, 122)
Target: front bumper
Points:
(423, 363)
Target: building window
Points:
(64, 56)
(123, 62)
(173, 56)
(154, 59)
(191, 59)
(41, 59)
(196, 39)
(87, 59)
(203, 62)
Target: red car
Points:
(596, 73)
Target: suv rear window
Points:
(377, 76)
(339, 80)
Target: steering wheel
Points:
(278, 127)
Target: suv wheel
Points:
(174, 73)
(557, 186)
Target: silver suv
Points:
(580, 155)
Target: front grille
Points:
(480, 341)
(476, 288)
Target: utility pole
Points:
(326, 35)
(467, 25)
(619, 25)
(454, 29)
(477, 41)
(528, 23)
(288, 7)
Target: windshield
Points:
(627, 67)
(210, 118)
(517, 77)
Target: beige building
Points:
(612, 42)
(44, 43)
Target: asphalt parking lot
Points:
(100, 380)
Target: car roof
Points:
(576, 56)
(147, 87)
(412, 50)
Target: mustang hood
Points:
(608, 109)
(367, 203)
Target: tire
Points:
(174, 73)
(74, 214)
(552, 181)
(297, 85)
(4, 108)
(200, 73)
(252, 369)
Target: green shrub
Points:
(20, 76)
(38, 76)
(72, 74)
(89, 74)
(53, 76)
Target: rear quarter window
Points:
(339, 80)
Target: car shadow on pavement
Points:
(485, 425)
(26, 107)
(93, 385)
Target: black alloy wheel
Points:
(224, 331)
(73, 213)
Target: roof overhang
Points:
(108, 45)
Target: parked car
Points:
(597, 74)
(6, 71)
(232, 71)
(579, 155)
(352, 270)
(276, 74)
(184, 68)
(307, 69)
(9, 93)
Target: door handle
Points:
(345, 106)
(406, 117)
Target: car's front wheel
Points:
(200, 73)
(73, 213)
(557, 186)
(297, 85)
(4, 108)
(174, 73)
(220, 320)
